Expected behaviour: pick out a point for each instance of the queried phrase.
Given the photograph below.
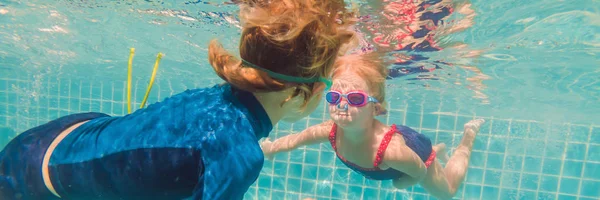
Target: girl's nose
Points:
(342, 105)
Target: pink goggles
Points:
(354, 98)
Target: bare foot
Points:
(441, 152)
(474, 125)
(471, 129)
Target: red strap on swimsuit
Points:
(384, 144)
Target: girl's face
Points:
(348, 115)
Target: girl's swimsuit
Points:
(419, 143)
(199, 144)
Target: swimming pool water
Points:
(512, 158)
(541, 139)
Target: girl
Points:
(201, 143)
(371, 148)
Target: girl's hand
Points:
(266, 145)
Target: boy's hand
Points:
(265, 145)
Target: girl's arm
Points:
(404, 159)
(312, 135)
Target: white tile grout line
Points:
(562, 164)
(101, 95)
(504, 157)
(318, 161)
(91, 97)
(542, 161)
(405, 111)
(38, 110)
(48, 101)
(585, 157)
(69, 99)
(420, 130)
(387, 122)
(158, 89)
(28, 122)
(522, 170)
(124, 96)
(7, 99)
(287, 169)
(112, 97)
(485, 155)
(452, 135)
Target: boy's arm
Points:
(312, 135)
(404, 159)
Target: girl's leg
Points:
(444, 182)
(406, 182)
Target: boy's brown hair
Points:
(300, 38)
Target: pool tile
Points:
(552, 166)
(495, 161)
(264, 193)
(413, 120)
(510, 180)
(567, 197)
(538, 130)
(492, 177)
(277, 195)
(513, 163)
(549, 183)
(546, 196)
(590, 188)
(339, 191)
(264, 181)
(579, 134)
(592, 170)
(516, 146)
(573, 168)
(525, 195)
(370, 193)
(508, 194)
(354, 192)
(308, 187)
(576, 151)
(595, 137)
(497, 144)
(324, 189)
(474, 175)
(309, 172)
(293, 185)
(569, 186)
(554, 149)
(447, 123)
(472, 191)
(325, 174)
(518, 129)
(530, 181)
(593, 153)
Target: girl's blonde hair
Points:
(300, 38)
(369, 67)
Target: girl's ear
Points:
(379, 110)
